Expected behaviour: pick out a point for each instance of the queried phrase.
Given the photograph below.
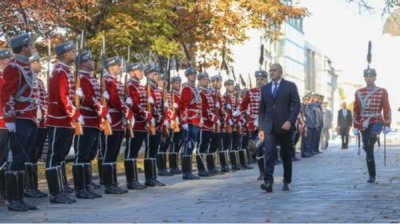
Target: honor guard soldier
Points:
(306, 116)
(216, 136)
(176, 134)
(137, 101)
(165, 142)
(93, 112)
(62, 117)
(31, 169)
(371, 114)
(311, 123)
(209, 119)
(19, 100)
(155, 107)
(251, 104)
(319, 119)
(244, 133)
(5, 55)
(120, 113)
(190, 111)
(229, 102)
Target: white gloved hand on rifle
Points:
(11, 127)
(236, 113)
(185, 127)
(150, 100)
(108, 116)
(355, 131)
(81, 120)
(106, 95)
(129, 101)
(79, 92)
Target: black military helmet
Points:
(20, 40)
(261, 73)
(134, 66)
(150, 69)
(229, 82)
(85, 56)
(216, 77)
(202, 75)
(64, 47)
(190, 70)
(116, 60)
(369, 71)
(176, 79)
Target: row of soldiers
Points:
(96, 117)
(311, 118)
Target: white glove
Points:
(236, 113)
(185, 127)
(150, 100)
(176, 106)
(230, 122)
(129, 101)
(228, 106)
(108, 116)
(166, 104)
(256, 122)
(106, 95)
(386, 130)
(355, 131)
(166, 123)
(217, 105)
(133, 121)
(81, 120)
(218, 122)
(11, 127)
(79, 92)
(153, 121)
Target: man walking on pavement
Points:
(344, 122)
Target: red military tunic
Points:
(91, 109)
(43, 104)
(209, 119)
(250, 106)
(229, 104)
(175, 106)
(138, 94)
(368, 110)
(217, 107)
(190, 107)
(2, 123)
(19, 93)
(169, 114)
(157, 109)
(117, 108)
(61, 89)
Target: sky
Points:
(341, 32)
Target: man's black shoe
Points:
(285, 187)
(371, 179)
(266, 187)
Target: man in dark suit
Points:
(279, 108)
(345, 120)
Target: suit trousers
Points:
(60, 140)
(344, 134)
(190, 137)
(270, 150)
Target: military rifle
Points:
(78, 125)
(106, 123)
(129, 127)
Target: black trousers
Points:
(177, 141)
(112, 145)
(216, 142)
(236, 141)
(86, 145)
(4, 149)
(344, 134)
(165, 143)
(270, 150)
(154, 143)
(190, 138)
(204, 143)
(40, 140)
(60, 141)
(134, 144)
(227, 141)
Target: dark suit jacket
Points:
(345, 122)
(274, 112)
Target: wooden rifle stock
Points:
(106, 123)
(152, 129)
(78, 125)
(166, 130)
(217, 127)
(128, 122)
(175, 121)
(228, 126)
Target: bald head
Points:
(275, 72)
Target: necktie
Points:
(274, 90)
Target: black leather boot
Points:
(201, 168)
(20, 185)
(243, 160)
(234, 160)
(162, 165)
(132, 181)
(12, 192)
(55, 187)
(99, 168)
(109, 181)
(151, 177)
(371, 171)
(173, 163)
(88, 180)
(212, 170)
(67, 188)
(29, 192)
(187, 169)
(3, 199)
(223, 161)
(261, 167)
(35, 180)
(78, 171)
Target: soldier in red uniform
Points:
(176, 133)
(250, 106)
(154, 97)
(209, 119)
(244, 133)
(120, 113)
(19, 101)
(93, 112)
(31, 171)
(190, 111)
(137, 102)
(5, 55)
(370, 102)
(229, 102)
(165, 142)
(216, 138)
(61, 118)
